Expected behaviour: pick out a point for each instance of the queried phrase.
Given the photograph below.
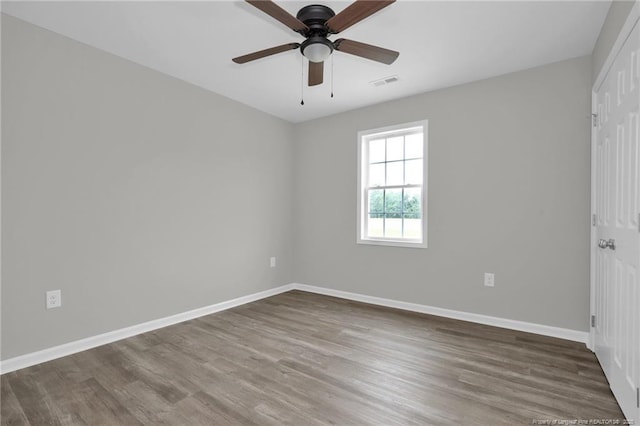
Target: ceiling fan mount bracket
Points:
(314, 17)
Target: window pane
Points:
(375, 222)
(393, 227)
(376, 201)
(413, 172)
(376, 151)
(393, 203)
(395, 148)
(376, 174)
(413, 146)
(412, 203)
(375, 226)
(395, 173)
(412, 227)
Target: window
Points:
(392, 185)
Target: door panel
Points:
(617, 209)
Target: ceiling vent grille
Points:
(385, 80)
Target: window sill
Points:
(392, 243)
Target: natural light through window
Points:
(392, 185)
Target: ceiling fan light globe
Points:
(316, 48)
(317, 52)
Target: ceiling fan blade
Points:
(266, 52)
(316, 71)
(355, 13)
(367, 51)
(278, 13)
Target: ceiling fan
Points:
(315, 23)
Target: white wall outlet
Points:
(489, 279)
(272, 262)
(54, 299)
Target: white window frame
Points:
(365, 136)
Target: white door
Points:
(617, 217)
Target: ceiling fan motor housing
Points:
(315, 16)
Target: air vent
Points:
(385, 80)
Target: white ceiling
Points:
(441, 44)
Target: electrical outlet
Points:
(272, 262)
(54, 299)
(489, 279)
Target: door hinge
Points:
(594, 219)
(594, 119)
(638, 222)
(638, 397)
(593, 320)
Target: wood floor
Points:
(305, 359)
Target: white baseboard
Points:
(70, 348)
(544, 330)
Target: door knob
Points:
(610, 243)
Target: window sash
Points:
(366, 213)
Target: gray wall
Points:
(508, 193)
(616, 17)
(137, 194)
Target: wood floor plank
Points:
(146, 405)
(37, 406)
(307, 359)
(12, 413)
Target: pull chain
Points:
(332, 76)
(301, 80)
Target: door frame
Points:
(625, 31)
